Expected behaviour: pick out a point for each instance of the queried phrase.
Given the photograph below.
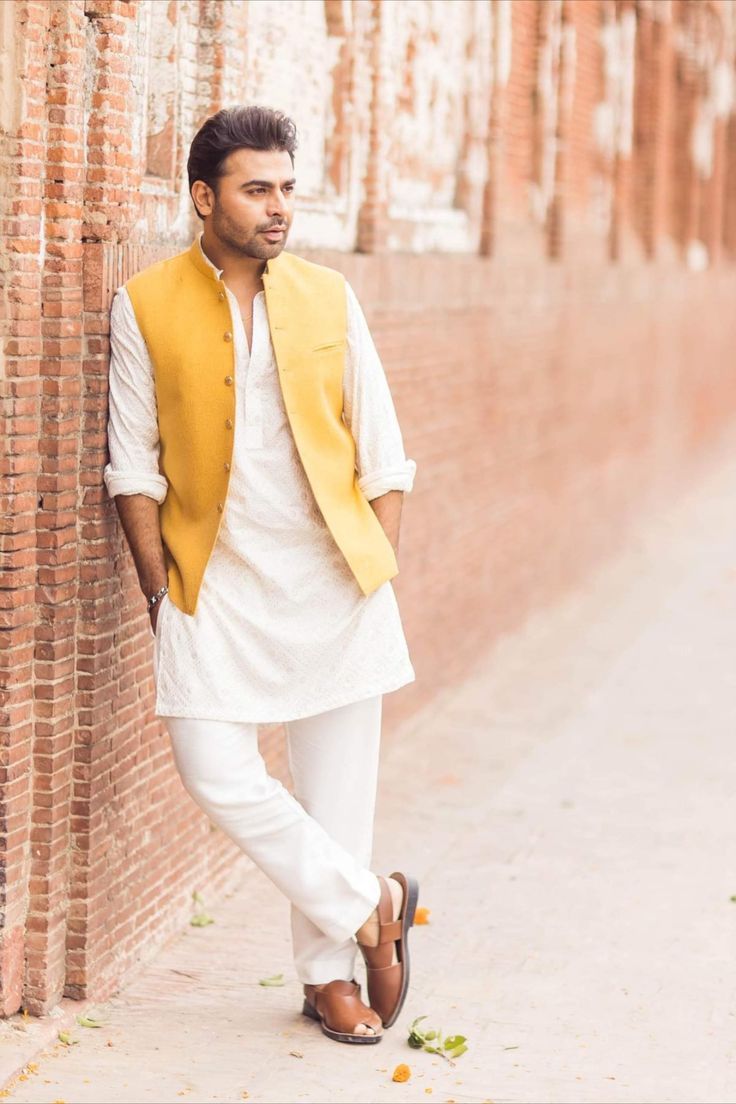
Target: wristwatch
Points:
(157, 597)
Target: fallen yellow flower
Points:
(401, 1073)
(421, 916)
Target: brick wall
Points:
(536, 203)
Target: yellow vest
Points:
(183, 313)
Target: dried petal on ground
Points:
(401, 1073)
(421, 916)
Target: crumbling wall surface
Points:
(536, 203)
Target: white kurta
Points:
(282, 629)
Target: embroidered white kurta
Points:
(282, 629)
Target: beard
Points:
(247, 243)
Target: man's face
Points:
(255, 195)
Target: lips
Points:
(276, 232)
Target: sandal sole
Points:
(339, 1036)
(408, 911)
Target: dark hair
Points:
(234, 128)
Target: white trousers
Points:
(315, 847)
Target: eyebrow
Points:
(266, 183)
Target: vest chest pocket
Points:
(327, 346)
(324, 364)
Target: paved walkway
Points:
(570, 814)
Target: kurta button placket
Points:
(228, 381)
(228, 336)
(226, 466)
(221, 296)
(220, 507)
(228, 423)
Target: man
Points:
(258, 469)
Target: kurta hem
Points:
(322, 707)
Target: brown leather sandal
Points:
(388, 984)
(338, 1007)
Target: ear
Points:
(203, 197)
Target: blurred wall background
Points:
(536, 203)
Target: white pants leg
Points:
(222, 769)
(333, 758)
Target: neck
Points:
(236, 267)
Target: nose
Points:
(278, 207)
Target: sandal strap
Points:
(389, 933)
(385, 906)
(337, 988)
(339, 1003)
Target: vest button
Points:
(226, 466)
(220, 507)
(228, 336)
(228, 380)
(228, 423)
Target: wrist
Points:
(156, 597)
(151, 583)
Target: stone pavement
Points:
(569, 812)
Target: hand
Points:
(387, 508)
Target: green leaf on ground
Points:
(201, 920)
(417, 1038)
(272, 982)
(431, 1041)
(457, 1051)
(89, 1021)
(201, 917)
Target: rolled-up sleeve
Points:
(370, 414)
(132, 427)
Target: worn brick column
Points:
(654, 63)
(556, 215)
(58, 500)
(22, 144)
(494, 140)
(373, 215)
(110, 210)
